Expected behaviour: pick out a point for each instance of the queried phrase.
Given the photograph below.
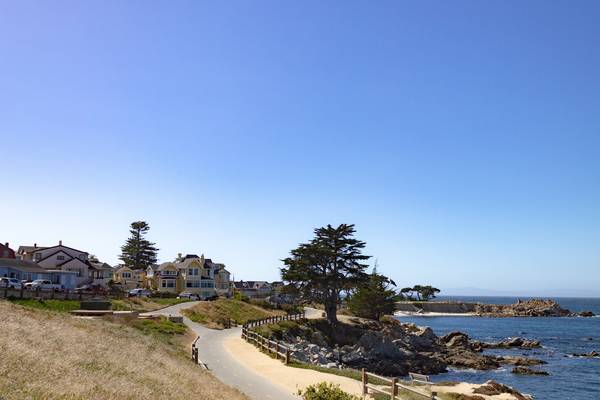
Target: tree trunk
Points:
(331, 312)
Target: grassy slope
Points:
(95, 359)
(127, 304)
(214, 314)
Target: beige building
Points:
(191, 274)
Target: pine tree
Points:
(138, 252)
(374, 299)
(328, 265)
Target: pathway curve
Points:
(239, 364)
(221, 362)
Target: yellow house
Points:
(166, 278)
(128, 277)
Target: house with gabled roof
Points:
(30, 271)
(61, 257)
(254, 289)
(6, 251)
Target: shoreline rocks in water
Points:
(591, 354)
(510, 343)
(391, 348)
(527, 308)
(586, 314)
(522, 370)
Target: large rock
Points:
(510, 343)
(528, 308)
(521, 370)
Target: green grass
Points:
(168, 301)
(161, 328)
(49, 305)
(216, 314)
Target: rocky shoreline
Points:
(392, 348)
(522, 308)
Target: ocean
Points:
(570, 378)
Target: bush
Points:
(325, 391)
(239, 296)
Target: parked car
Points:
(10, 283)
(188, 295)
(139, 293)
(212, 298)
(95, 289)
(43, 284)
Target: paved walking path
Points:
(226, 367)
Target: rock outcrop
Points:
(509, 343)
(586, 314)
(522, 370)
(492, 388)
(591, 354)
(393, 348)
(528, 308)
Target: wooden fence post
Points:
(277, 349)
(287, 356)
(394, 388)
(365, 381)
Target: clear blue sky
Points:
(462, 138)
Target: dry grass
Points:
(144, 304)
(48, 355)
(215, 314)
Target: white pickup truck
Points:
(43, 284)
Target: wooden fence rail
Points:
(394, 387)
(195, 356)
(262, 342)
(23, 293)
(272, 320)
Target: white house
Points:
(64, 258)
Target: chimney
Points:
(35, 245)
(60, 242)
(6, 244)
(179, 255)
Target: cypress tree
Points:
(138, 252)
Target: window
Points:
(168, 283)
(60, 257)
(208, 284)
(126, 275)
(5, 254)
(194, 271)
(38, 256)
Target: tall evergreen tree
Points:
(328, 265)
(375, 298)
(138, 252)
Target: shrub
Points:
(325, 391)
(239, 296)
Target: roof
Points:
(25, 266)
(120, 267)
(250, 284)
(29, 249)
(99, 265)
(165, 264)
(187, 261)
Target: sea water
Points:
(570, 378)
